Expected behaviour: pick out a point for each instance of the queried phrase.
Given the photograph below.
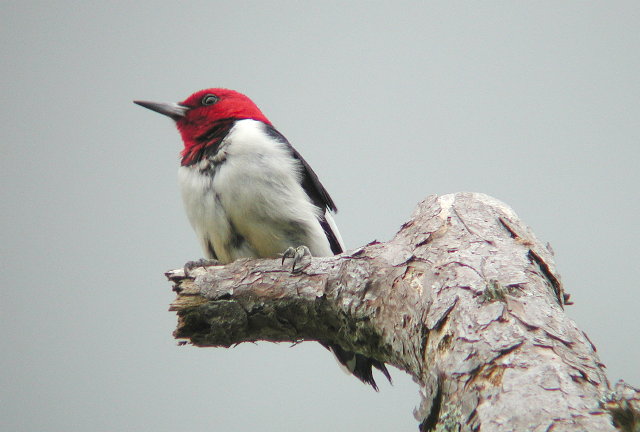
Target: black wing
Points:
(361, 366)
(314, 189)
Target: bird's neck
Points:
(199, 146)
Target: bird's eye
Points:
(209, 99)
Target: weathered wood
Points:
(464, 298)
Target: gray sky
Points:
(535, 103)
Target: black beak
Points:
(172, 110)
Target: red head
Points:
(205, 117)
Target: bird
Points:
(248, 193)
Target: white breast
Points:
(253, 205)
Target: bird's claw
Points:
(298, 254)
(202, 262)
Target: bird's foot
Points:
(298, 254)
(202, 262)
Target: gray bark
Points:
(464, 298)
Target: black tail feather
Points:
(358, 365)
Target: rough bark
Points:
(464, 298)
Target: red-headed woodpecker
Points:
(248, 193)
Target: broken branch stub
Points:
(464, 298)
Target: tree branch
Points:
(464, 298)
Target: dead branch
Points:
(464, 298)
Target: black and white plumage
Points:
(249, 194)
(255, 196)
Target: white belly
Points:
(253, 206)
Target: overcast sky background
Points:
(535, 103)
